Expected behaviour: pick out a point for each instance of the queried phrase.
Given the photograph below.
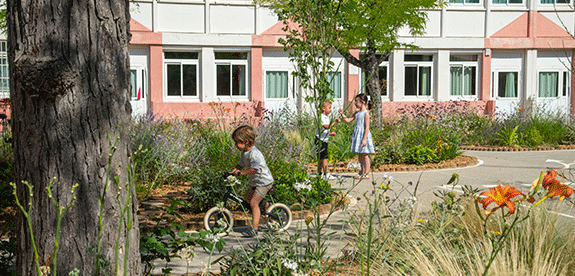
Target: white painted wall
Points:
(180, 17)
(142, 12)
(464, 24)
(500, 19)
(228, 19)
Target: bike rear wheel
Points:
(220, 218)
(280, 217)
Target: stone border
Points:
(502, 148)
(457, 162)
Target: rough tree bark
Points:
(69, 77)
(369, 63)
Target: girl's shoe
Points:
(361, 176)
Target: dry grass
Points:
(541, 245)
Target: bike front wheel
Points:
(219, 218)
(279, 217)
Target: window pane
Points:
(463, 58)
(410, 81)
(276, 84)
(174, 80)
(424, 81)
(546, 1)
(507, 84)
(563, 1)
(469, 80)
(383, 80)
(499, 1)
(566, 81)
(472, 1)
(418, 58)
(133, 83)
(456, 81)
(181, 55)
(239, 80)
(515, 1)
(189, 80)
(456, 1)
(334, 79)
(223, 76)
(548, 84)
(230, 55)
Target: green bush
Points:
(207, 189)
(532, 137)
(420, 155)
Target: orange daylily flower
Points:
(554, 186)
(502, 196)
(549, 178)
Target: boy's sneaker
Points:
(328, 176)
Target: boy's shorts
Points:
(261, 191)
(322, 148)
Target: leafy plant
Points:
(508, 136)
(420, 155)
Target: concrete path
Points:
(516, 168)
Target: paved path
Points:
(518, 168)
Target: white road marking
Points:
(565, 165)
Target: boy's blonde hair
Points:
(244, 133)
(326, 101)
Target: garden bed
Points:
(457, 162)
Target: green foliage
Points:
(285, 178)
(508, 136)
(532, 137)
(207, 189)
(420, 155)
(168, 237)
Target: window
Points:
(507, 84)
(383, 77)
(231, 73)
(463, 74)
(464, 2)
(553, 84)
(555, 1)
(276, 84)
(334, 79)
(418, 75)
(508, 2)
(182, 74)
(4, 76)
(138, 92)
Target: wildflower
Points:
(520, 108)
(354, 165)
(308, 220)
(212, 238)
(232, 180)
(289, 264)
(554, 186)
(502, 196)
(306, 185)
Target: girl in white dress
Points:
(361, 140)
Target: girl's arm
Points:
(366, 131)
(345, 119)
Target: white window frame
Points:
(4, 71)
(495, 83)
(341, 83)
(480, 3)
(363, 84)
(181, 62)
(232, 62)
(555, 3)
(563, 82)
(507, 3)
(290, 92)
(464, 64)
(419, 64)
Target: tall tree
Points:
(372, 26)
(69, 78)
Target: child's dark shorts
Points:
(322, 148)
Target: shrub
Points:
(532, 137)
(420, 155)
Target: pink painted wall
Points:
(352, 80)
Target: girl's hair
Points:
(244, 133)
(363, 97)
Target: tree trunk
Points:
(69, 77)
(373, 87)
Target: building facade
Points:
(498, 54)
